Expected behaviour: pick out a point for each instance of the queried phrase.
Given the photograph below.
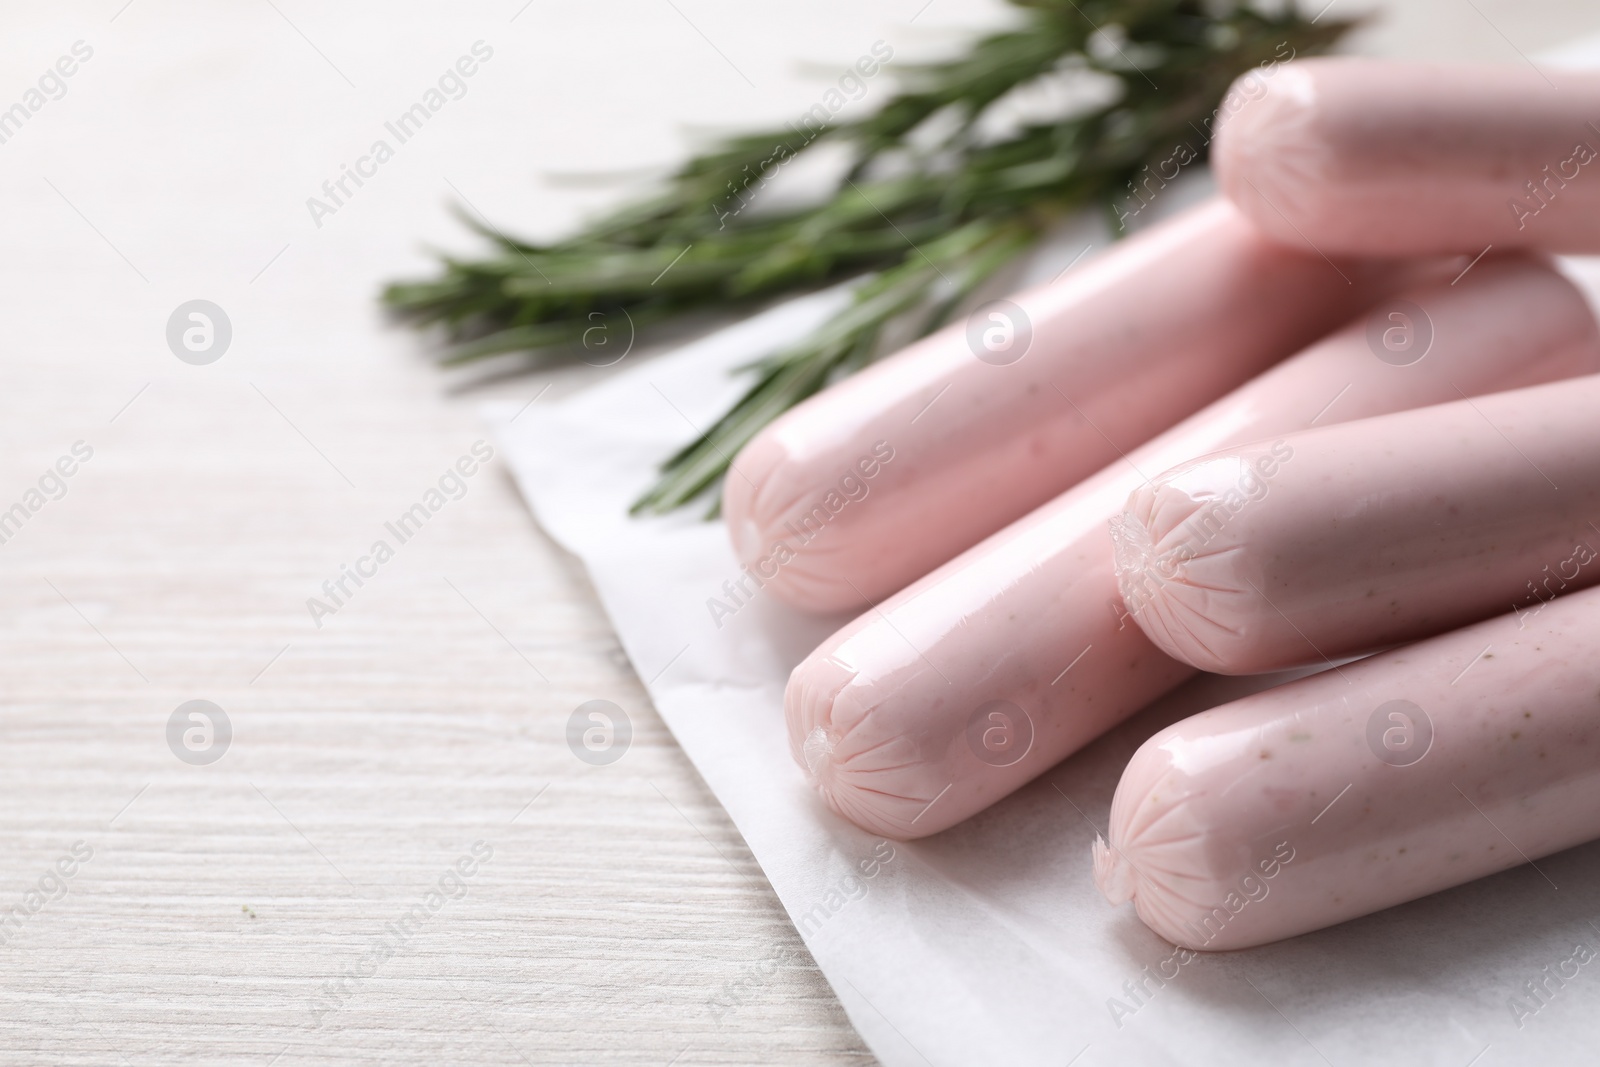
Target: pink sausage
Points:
(881, 478)
(1337, 541)
(1373, 157)
(1359, 789)
(995, 667)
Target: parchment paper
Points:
(989, 943)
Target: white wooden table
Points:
(273, 906)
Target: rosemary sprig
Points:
(951, 213)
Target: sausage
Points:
(1372, 157)
(874, 482)
(987, 672)
(1354, 790)
(1338, 541)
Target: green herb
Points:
(928, 222)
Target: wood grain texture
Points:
(619, 919)
(246, 911)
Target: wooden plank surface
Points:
(397, 858)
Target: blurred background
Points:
(250, 906)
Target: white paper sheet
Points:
(989, 942)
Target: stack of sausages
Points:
(1345, 414)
